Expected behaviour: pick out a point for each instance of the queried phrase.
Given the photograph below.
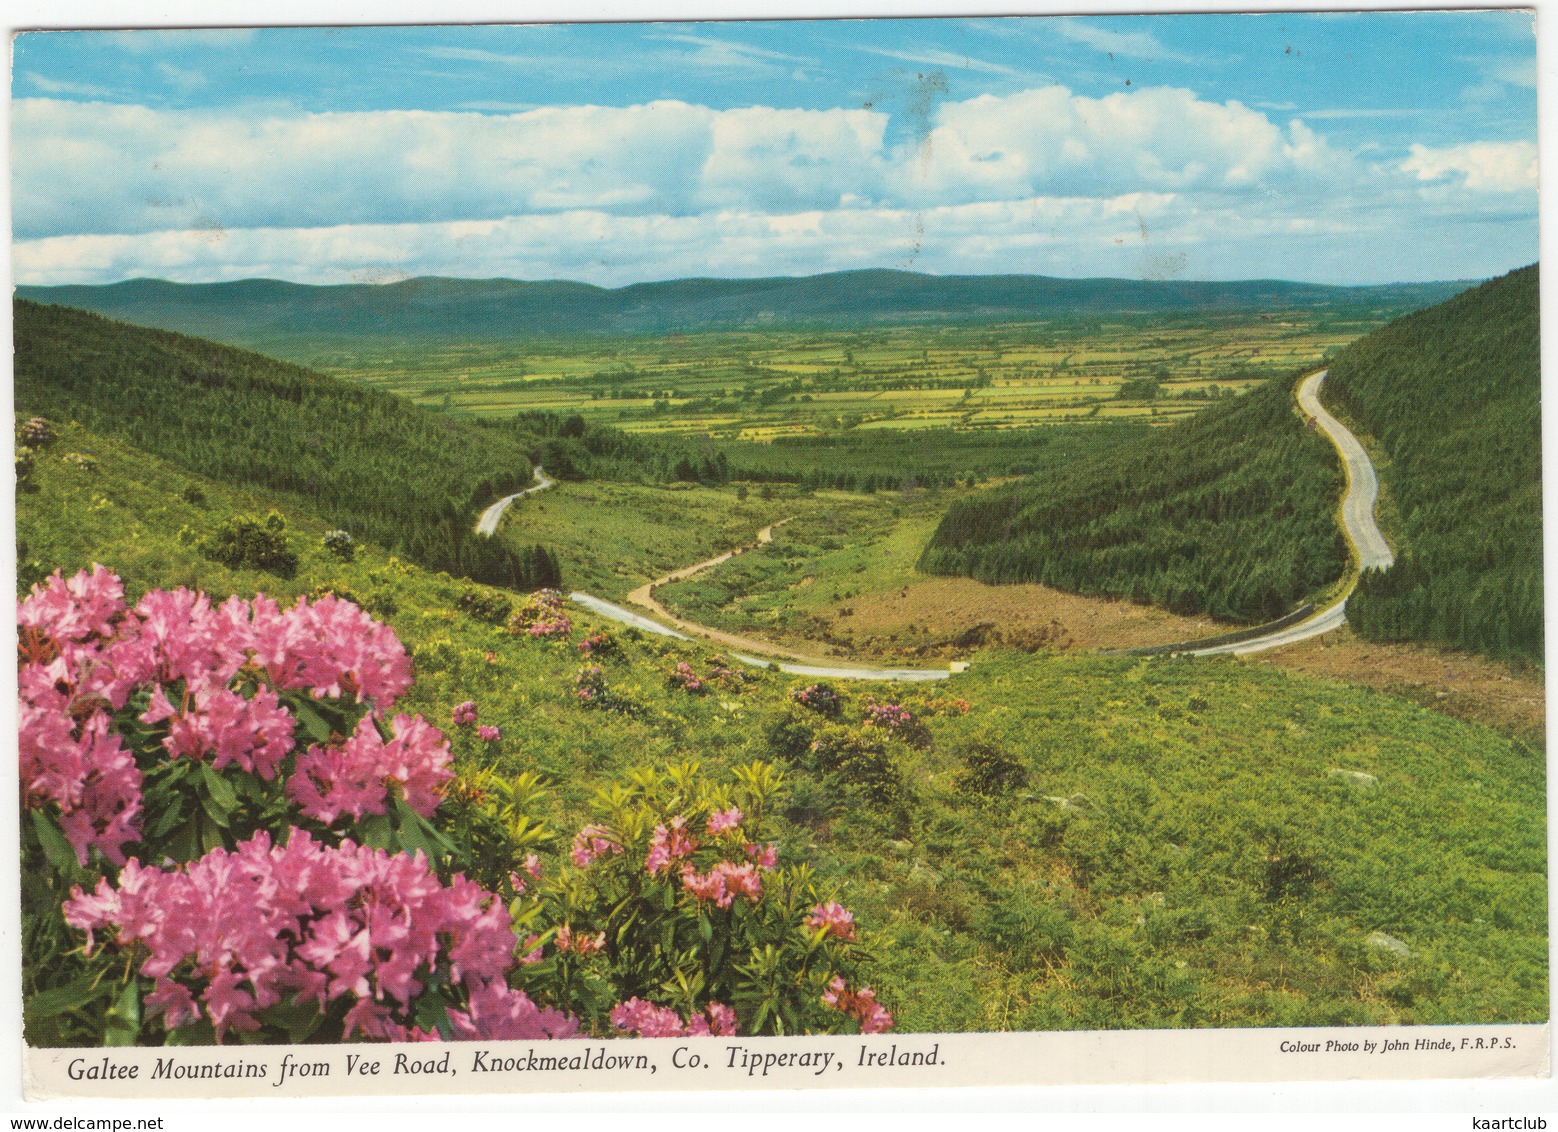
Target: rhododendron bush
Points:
(231, 834)
(698, 917)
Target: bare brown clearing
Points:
(1508, 699)
(951, 607)
(947, 610)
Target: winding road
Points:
(1369, 547)
(488, 523)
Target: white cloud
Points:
(1131, 44)
(1042, 180)
(59, 86)
(1051, 141)
(937, 58)
(146, 40)
(185, 79)
(1497, 167)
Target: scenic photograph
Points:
(577, 533)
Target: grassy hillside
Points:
(1229, 513)
(1452, 395)
(265, 313)
(1095, 842)
(361, 459)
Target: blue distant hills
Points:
(267, 313)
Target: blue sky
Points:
(1332, 148)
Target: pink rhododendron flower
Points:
(86, 606)
(668, 843)
(593, 841)
(498, 1013)
(465, 713)
(723, 820)
(582, 945)
(834, 918)
(488, 734)
(764, 856)
(332, 647)
(723, 883)
(861, 1005)
(237, 932)
(646, 1020)
(355, 777)
(255, 734)
(87, 774)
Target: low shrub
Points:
(249, 542)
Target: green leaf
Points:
(298, 1020)
(315, 726)
(56, 846)
(705, 927)
(122, 1023)
(57, 1000)
(214, 812)
(171, 818)
(375, 831)
(221, 793)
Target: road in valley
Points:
(488, 523)
(1368, 545)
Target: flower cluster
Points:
(820, 698)
(235, 933)
(541, 617)
(210, 677)
(488, 734)
(722, 820)
(889, 717)
(834, 919)
(598, 644)
(355, 778)
(956, 706)
(646, 1020)
(726, 677)
(464, 714)
(860, 1005)
(683, 677)
(724, 882)
(579, 944)
(36, 433)
(594, 841)
(670, 842)
(590, 684)
(898, 721)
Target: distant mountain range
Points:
(267, 312)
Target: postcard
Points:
(789, 554)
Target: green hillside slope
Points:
(366, 461)
(1230, 513)
(1096, 842)
(1453, 397)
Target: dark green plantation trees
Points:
(1229, 514)
(367, 461)
(1452, 394)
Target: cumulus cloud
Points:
(1041, 180)
(100, 167)
(1495, 167)
(1162, 138)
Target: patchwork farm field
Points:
(761, 385)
